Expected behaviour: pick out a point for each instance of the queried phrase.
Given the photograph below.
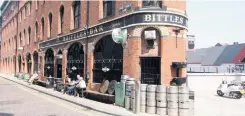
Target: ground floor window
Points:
(150, 70)
(75, 60)
(49, 63)
(35, 59)
(108, 60)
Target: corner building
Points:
(58, 38)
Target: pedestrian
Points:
(35, 76)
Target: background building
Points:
(222, 58)
(52, 37)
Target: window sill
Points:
(75, 29)
(106, 18)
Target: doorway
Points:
(59, 64)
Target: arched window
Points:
(76, 14)
(36, 31)
(35, 59)
(24, 36)
(50, 17)
(75, 60)
(107, 55)
(49, 63)
(29, 35)
(42, 22)
(61, 18)
(108, 8)
(20, 39)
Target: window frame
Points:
(77, 15)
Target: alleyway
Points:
(20, 101)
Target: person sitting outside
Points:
(35, 76)
(80, 86)
(66, 82)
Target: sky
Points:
(215, 21)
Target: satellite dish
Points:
(119, 36)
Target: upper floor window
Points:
(76, 14)
(29, 35)
(20, 40)
(50, 17)
(152, 3)
(36, 31)
(24, 36)
(61, 18)
(108, 8)
(42, 21)
(26, 11)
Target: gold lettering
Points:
(181, 20)
(101, 28)
(159, 17)
(153, 17)
(147, 18)
(176, 19)
(95, 30)
(91, 31)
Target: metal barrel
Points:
(142, 108)
(124, 78)
(127, 102)
(161, 93)
(173, 105)
(143, 87)
(162, 111)
(143, 97)
(151, 110)
(161, 104)
(184, 112)
(172, 112)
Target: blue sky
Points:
(216, 21)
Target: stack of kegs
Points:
(172, 100)
(151, 99)
(143, 97)
(130, 94)
(161, 100)
(184, 103)
(191, 102)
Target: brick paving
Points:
(87, 106)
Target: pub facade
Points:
(76, 38)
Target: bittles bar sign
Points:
(133, 19)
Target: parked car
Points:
(233, 90)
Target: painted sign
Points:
(190, 43)
(137, 18)
(119, 35)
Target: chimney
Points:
(235, 43)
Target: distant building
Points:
(218, 59)
(190, 43)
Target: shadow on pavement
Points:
(6, 114)
(227, 97)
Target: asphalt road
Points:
(16, 100)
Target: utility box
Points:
(119, 94)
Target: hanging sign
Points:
(119, 35)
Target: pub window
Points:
(61, 18)
(36, 31)
(108, 8)
(76, 14)
(29, 35)
(152, 3)
(50, 23)
(42, 21)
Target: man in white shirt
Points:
(80, 86)
(34, 76)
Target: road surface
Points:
(16, 100)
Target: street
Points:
(208, 103)
(20, 101)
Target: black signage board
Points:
(133, 19)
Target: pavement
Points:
(208, 103)
(35, 100)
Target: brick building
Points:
(52, 37)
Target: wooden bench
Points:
(97, 96)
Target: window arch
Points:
(61, 18)
(76, 13)
(50, 17)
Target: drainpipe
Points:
(16, 37)
(86, 53)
